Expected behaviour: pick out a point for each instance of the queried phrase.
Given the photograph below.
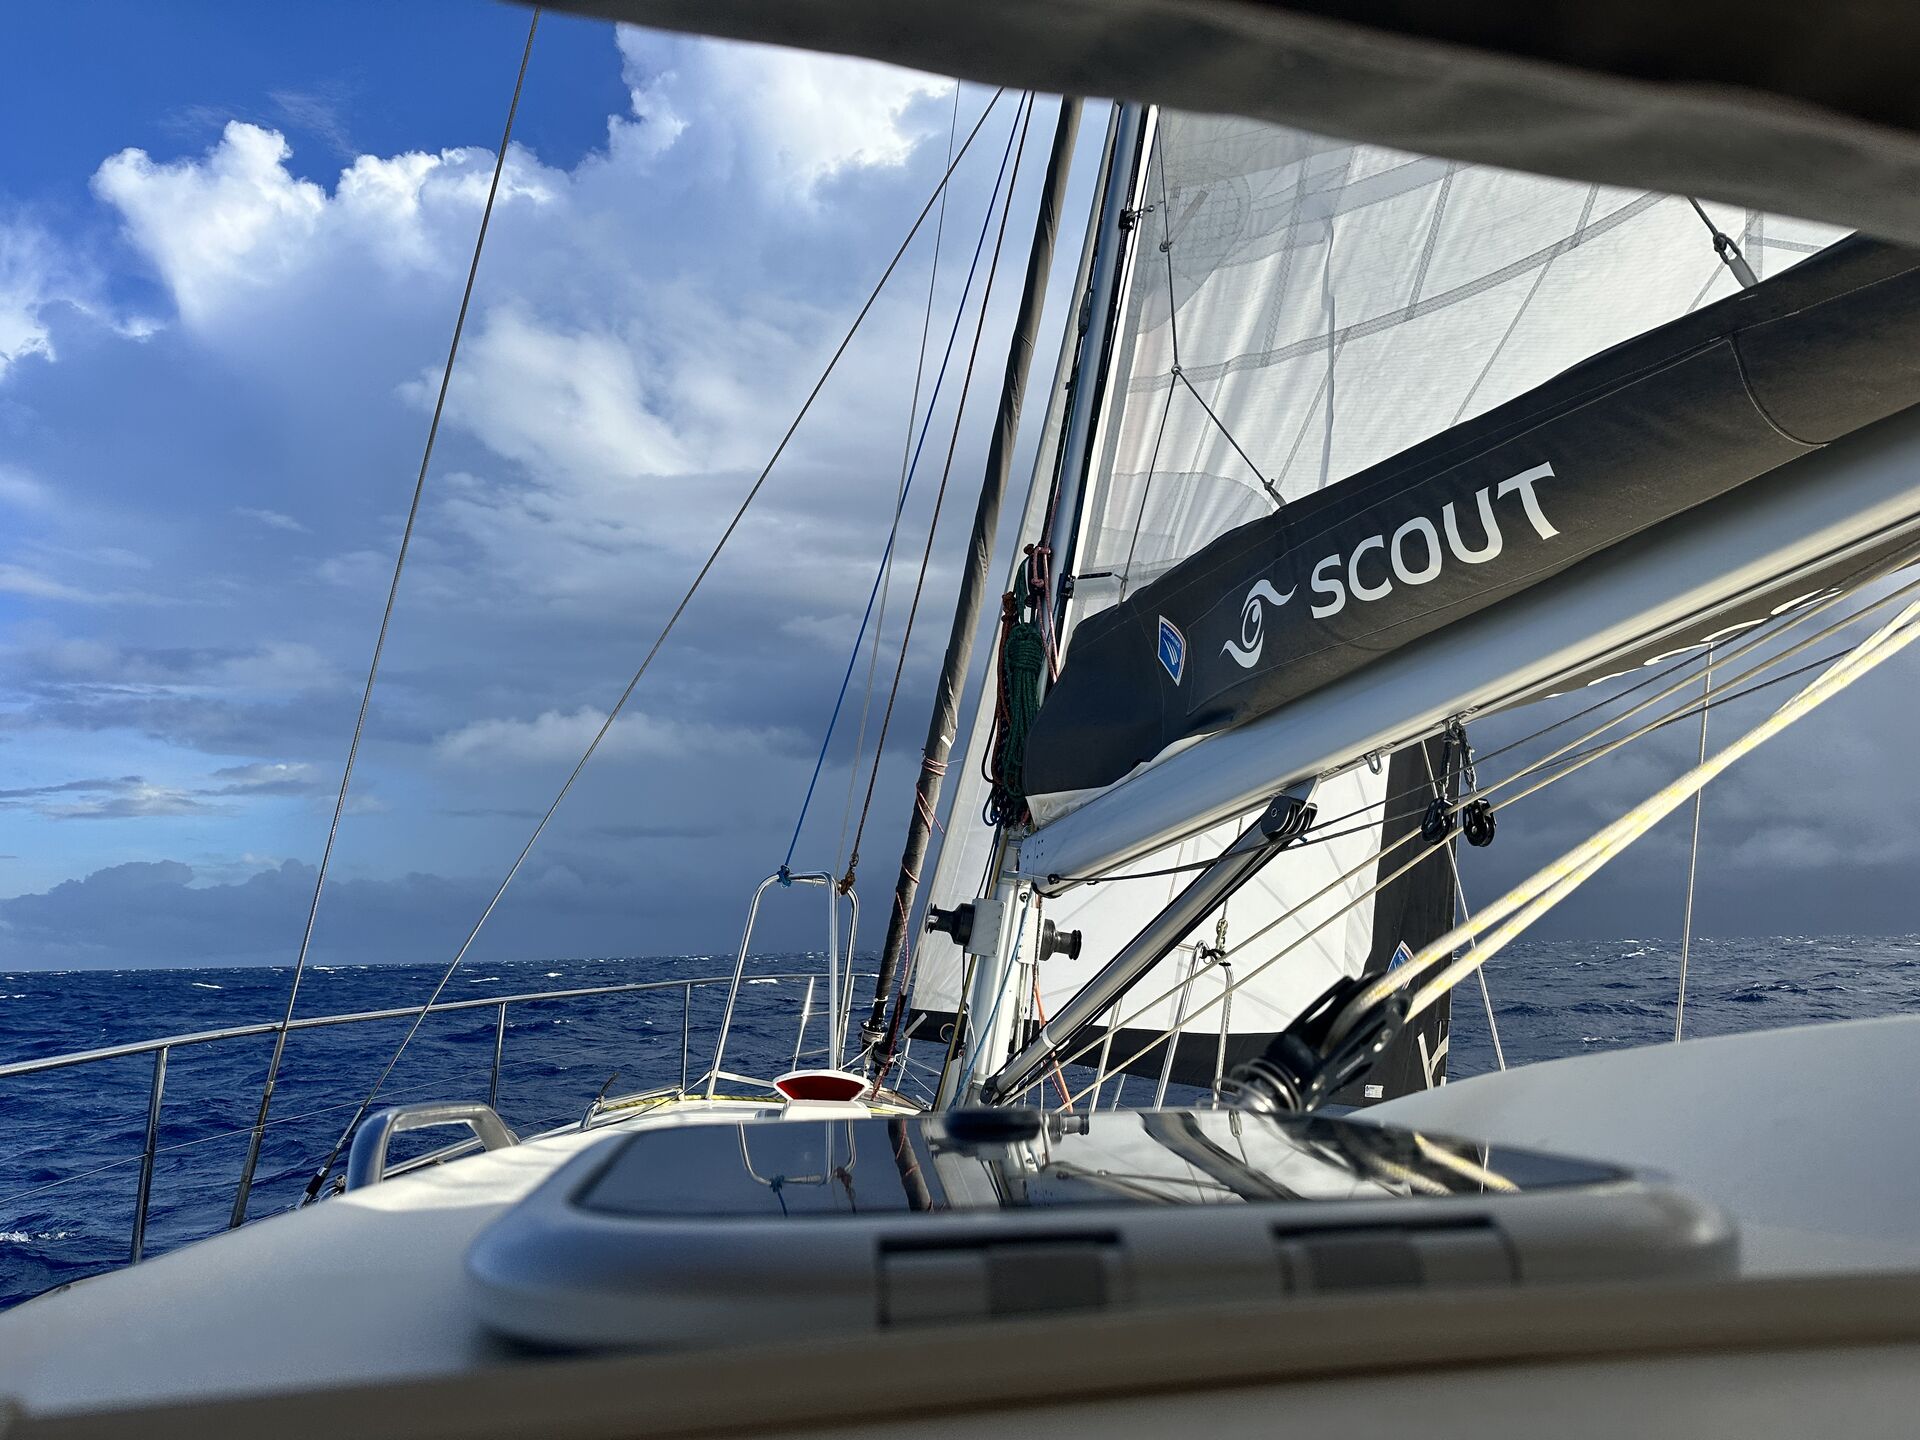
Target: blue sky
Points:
(230, 250)
(231, 243)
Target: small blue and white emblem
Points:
(1401, 955)
(1173, 649)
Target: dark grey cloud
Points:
(127, 797)
(1811, 834)
(155, 913)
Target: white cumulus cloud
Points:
(787, 117)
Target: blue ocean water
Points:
(70, 1139)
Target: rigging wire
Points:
(1693, 862)
(886, 555)
(1722, 693)
(939, 497)
(1173, 335)
(1220, 425)
(380, 639)
(753, 491)
(1460, 899)
(1533, 897)
(1173, 338)
(1842, 590)
(1319, 834)
(906, 471)
(1388, 879)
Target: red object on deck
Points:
(820, 1085)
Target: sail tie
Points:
(1024, 659)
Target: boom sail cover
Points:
(1302, 310)
(1284, 604)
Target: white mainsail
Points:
(1299, 309)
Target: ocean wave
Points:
(558, 1054)
(205, 985)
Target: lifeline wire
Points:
(320, 1176)
(380, 640)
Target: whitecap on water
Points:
(763, 982)
(204, 985)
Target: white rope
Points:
(1693, 862)
(1715, 693)
(1513, 912)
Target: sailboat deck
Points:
(368, 1289)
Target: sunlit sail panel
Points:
(1329, 305)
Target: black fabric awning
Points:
(1798, 109)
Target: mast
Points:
(992, 993)
(1106, 295)
(975, 583)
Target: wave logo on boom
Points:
(1336, 578)
(1253, 623)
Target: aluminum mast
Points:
(974, 580)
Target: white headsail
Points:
(1299, 309)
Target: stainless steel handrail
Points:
(367, 1164)
(162, 1047)
(319, 1022)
